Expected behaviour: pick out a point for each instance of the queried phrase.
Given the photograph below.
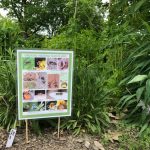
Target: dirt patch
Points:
(48, 140)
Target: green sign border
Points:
(19, 77)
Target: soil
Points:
(48, 141)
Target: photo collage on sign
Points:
(45, 84)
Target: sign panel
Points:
(44, 83)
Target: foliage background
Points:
(109, 54)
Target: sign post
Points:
(27, 136)
(58, 134)
(44, 84)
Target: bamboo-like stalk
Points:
(75, 14)
(109, 3)
(75, 11)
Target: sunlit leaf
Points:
(138, 78)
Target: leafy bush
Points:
(90, 93)
(136, 98)
(90, 100)
(105, 52)
(9, 35)
(8, 97)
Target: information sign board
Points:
(44, 83)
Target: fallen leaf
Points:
(95, 148)
(122, 115)
(109, 131)
(126, 110)
(99, 145)
(79, 140)
(113, 136)
(54, 133)
(114, 117)
(114, 121)
(62, 139)
(87, 144)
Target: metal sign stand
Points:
(27, 136)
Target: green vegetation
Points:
(112, 67)
(124, 137)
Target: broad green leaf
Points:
(93, 127)
(78, 113)
(127, 99)
(139, 92)
(89, 116)
(77, 131)
(124, 81)
(134, 110)
(75, 125)
(138, 78)
(141, 104)
(72, 121)
(147, 89)
(69, 125)
(143, 128)
(146, 25)
(132, 101)
(139, 4)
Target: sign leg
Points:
(27, 136)
(58, 127)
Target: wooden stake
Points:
(58, 128)
(27, 137)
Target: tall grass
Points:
(8, 97)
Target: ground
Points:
(48, 140)
(120, 136)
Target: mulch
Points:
(46, 141)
